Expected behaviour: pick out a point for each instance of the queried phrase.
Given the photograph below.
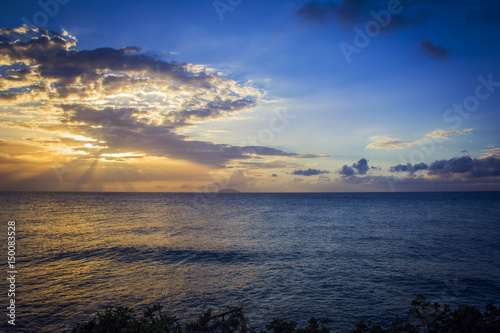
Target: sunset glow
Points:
(307, 100)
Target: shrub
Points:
(423, 316)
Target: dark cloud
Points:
(466, 167)
(455, 165)
(9, 96)
(347, 13)
(274, 175)
(17, 72)
(52, 56)
(212, 110)
(463, 167)
(316, 11)
(26, 44)
(408, 167)
(411, 184)
(117, 117)
(460, 173)
(347, 171)
(55, 59)
(360, 168)
(122, 132)
(309, 172)
(434, 51)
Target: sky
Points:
(257, 96)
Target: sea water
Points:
(349, 257)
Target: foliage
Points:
(424, 317)
(428, 317)
(280, 326)
(123, 319)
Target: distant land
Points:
(228, 190)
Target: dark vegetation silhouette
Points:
(423, 316)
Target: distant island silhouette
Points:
(228, 190)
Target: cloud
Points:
(408, 167)
(126, 134)
(127, 102)
(437, 136)
(466, 167)
(459, 173)
(360, 168)
(239, 181)
(456, 174)
(13, 152)
(347, 13)
(324, 180)
(347, 171)
(385, 142)
(235, 181)
(316, 11)
(492, 152)
(434, 51)
(8, 96)
(271, 165)
(412, 184)
(309, 172)
(27, 45)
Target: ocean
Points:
(349, 257)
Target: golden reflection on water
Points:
(290, 255)
(86, 257)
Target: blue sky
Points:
(291, 106)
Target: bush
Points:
(123, 319)
(430, 317)
(424, 316)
